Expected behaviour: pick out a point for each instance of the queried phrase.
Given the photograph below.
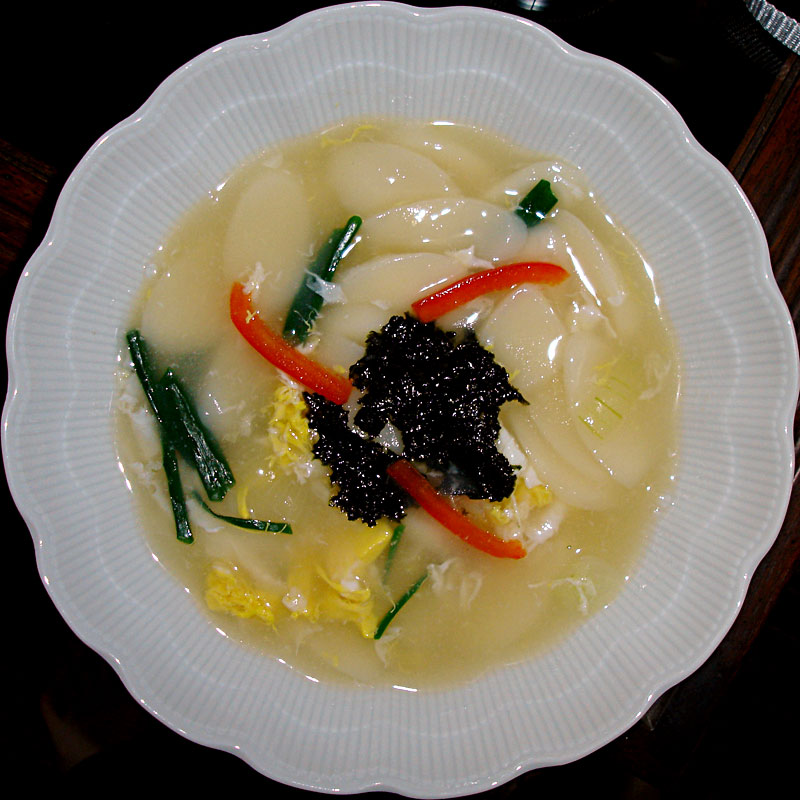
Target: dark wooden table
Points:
(66, 719)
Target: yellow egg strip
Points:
(229, 592)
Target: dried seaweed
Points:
(358, 465)
(443, 395)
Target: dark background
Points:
(70, 75)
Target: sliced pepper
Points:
(282, 355)
(488, 280)
(440, 508)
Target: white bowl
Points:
(712, 269)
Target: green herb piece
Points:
(244, 522)
(144, 369)
(307, 302)
(393, 542)
(393, 611)
(193, 440)
(175, 487)
(537, 204)
(279, 527)
(180, 430)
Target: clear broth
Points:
(480, 611)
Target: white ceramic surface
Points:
(712, 268)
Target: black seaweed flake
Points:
(358, 466)
(443, 396)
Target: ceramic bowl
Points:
(711, 266)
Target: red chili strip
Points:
(489, 280)
(438, 506)
(280, 354)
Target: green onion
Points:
(307, 303)
(279, 527)
(175, 487)
(248, 524)
(392, 613)
(393, 542)
(537, 204)
(180, 430)
(144, 369)
(193, 440)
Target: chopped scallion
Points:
(393, 611)
(393, 542)
(537, 204)
(144, 369)
(244, 522)
(175, 487)
(181, 430)
(307, 303)
(193, 440)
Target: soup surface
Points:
(590, 440)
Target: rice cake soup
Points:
(453, 479)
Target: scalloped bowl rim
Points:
(91, 631)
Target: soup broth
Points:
(593, 450)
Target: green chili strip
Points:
(393, 542)
(244, 522)
(176, 496)
(193, 440)
(392, 613)
(537, 204)
(307, 303)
